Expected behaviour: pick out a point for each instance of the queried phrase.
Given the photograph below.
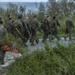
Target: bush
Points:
(51, 61)
(12, 41)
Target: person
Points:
(26, 29)
(69, 26)
(28, 25)
(54, 27)
(34, 30)
(10, 25)
(22, 9)
(45, 26)
(21, 29)
(3, 32)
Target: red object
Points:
(5, 48)
(14, 51)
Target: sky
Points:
(23, 0)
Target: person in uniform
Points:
(54, 28)
(3, 32)
(21, 29)
(34, 30)
(69, 26)
(45, 26)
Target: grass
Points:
(51, 61)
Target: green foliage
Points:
(51, 61)
(16, 42)
(8, 39)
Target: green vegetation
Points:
(51, 61)
(12, 41)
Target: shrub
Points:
(51, 61)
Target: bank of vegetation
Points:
(51, 61)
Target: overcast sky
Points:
(23, 0)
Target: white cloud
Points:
(23, 0)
